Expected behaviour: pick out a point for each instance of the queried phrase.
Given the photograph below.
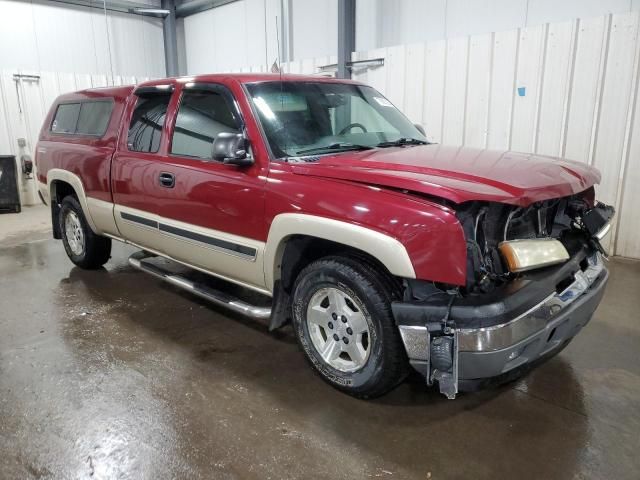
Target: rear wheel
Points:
(343, 321)
(84, 248)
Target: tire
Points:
(369, 364)
(84, 248)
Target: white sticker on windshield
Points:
(383, 101)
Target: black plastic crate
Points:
(9, 195)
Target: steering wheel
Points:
(352, 125)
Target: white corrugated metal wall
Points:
(244, 33)
(69, 48)
(24, 104)
(563, 89)
(54, 37)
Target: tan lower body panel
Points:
(231, 257)
(102, 214)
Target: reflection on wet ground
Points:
(112, 374)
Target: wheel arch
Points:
(294, 240)
(61, 183)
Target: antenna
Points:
(266, 43)
(278, 45)
(281, 84)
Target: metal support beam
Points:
(286, 30)
(122, 6)
(346, 35)
(195, 6)
(170, 39)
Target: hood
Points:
(459, 174)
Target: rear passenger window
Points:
(94, 118)
(146, 124)
(83, 118)
(201, 117)
(66, 118)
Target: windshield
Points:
(304, 118)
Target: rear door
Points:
(137, 165)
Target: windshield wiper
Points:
(402, 141)
(344, 146)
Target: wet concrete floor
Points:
(112, 374)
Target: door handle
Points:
(167, 180)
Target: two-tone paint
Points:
(234, 221)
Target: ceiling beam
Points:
(122, 6)
(196, 6)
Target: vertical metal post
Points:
(286, 31)
(346, 35)
(170, 40)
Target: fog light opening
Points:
(553, 332)
(515, 354)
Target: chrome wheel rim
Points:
(338, 329)
(73, 232)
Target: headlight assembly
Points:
(523, 255)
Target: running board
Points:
(214, 296)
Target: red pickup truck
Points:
(385, 251)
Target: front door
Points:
(209, 215)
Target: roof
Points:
(250, 78)
(118, 93)
(121, 92)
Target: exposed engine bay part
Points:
(434, 354)
(488, 225)
(436, 345)
(444, 363)
(597, 221)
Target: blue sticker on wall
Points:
(522, 91)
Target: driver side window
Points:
(202, 116)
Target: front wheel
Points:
(84, 248)
(343, 321)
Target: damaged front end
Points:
(534, 277)
(503, 240)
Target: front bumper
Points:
(530, 324)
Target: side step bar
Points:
(214, 296)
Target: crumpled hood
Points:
(459, 174)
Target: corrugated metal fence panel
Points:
(628, 235)
(12, 110)
(526, 103)
(478, 90)
(395, 62)
(501, 96)
(565, 89)
(433, 92)
(25, 103)
(455, 95)
(588, 61)
(556, 77)
(613, 117)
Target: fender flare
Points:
(73, 180)
(387, 250)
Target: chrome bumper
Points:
(501, 336)
(493, 350)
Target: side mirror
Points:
(420, 129)
(231, 149)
